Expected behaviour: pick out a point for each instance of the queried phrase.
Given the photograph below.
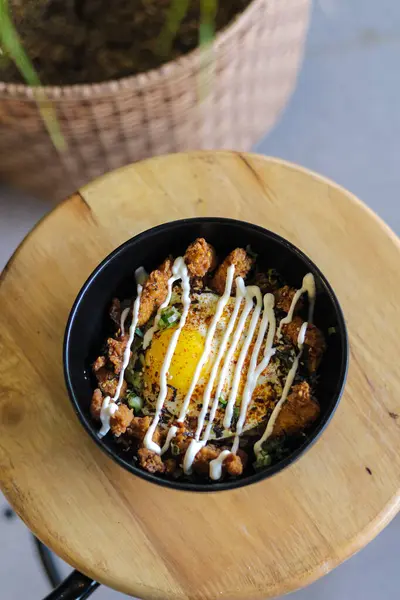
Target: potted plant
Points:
(126, 80)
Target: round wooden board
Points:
(152, 542)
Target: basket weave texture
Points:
(227, 97)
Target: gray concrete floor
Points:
(343, 121)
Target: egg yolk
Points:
(187, 354)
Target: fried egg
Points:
(188, 352)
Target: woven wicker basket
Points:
(244, 87)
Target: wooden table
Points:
(156, 543)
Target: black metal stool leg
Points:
(49, 564)
(75, 587)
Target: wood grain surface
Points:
(156, 543)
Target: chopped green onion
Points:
(168, 317)
(138, 332)
(135, 378)
(331, 330)
(175, 451)
(134, 402)
(176, 298)
(222, 401)
(263, 460)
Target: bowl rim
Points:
(232, 483)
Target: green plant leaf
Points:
(176, 13)
(11, 46)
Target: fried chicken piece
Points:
(99, 363)
(314, 342)
(108, 382)
(150, 461)
(170, 466)
(138, 429)
(284, 297)
(96, 404)
(203, 458)
(200, 258)
(298, 412)
(233, 464)
(182, 438)
(115, 350)
(243, 263)
(115, 312)
(120, 421)
(155, 291)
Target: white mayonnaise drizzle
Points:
(109, 406)
(289, 380)
(108, 409)
(222, 302)
(196, 445)
(216, 465)
(240, 292)
(255, 371)
(179, 271)
(309, 287)
(251, 292)
(124, 315)
(215, 468)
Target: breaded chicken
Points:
(235, 463)
(284, 297)
(120, 420)
(108, 382)
(203, 458)
(96, 404)
(150, 461)
(116, 349)
(138, 429)
(200, 258)
(298, 412)
(314, 343)
(99, 363)
(155, 291)
(243, 263)
(182, 438)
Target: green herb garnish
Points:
(168, 317)
(175, 451)
(134, 402)
(222, 402)
(236, 412)
(263, 460)
(331, 330)
(134, 378)
(138, 332)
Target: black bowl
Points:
(88, 323)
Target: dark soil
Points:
(87, 41)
